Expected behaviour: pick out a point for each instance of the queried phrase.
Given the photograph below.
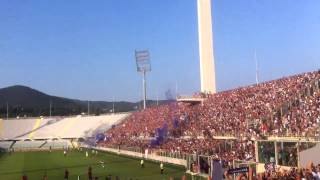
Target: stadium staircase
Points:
(74, 144)
(13, 143)
(43, 144)
(36, 125)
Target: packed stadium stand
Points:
(289, 106)
(275, 122)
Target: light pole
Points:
(7, 111)
(143, 66)
(88, 107)
(113, 105)
(257, 67)
(157, 98)
(50, 108)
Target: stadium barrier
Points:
(25, 146)
(152, 156)
(176, 155)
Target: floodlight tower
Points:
(207, 65)
(143, 66)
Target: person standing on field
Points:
(24, 177)
(66, 174)
(90, 173)
(161, 168)
(45, 177)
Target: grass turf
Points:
(36, 164)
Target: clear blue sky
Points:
(85, 49)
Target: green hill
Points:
(25, 101)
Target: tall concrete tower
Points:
(207, 66)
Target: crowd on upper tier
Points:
(287, 106)
(259, 110)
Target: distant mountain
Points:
(24, 101)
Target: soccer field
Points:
(36, 164)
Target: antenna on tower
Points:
(157, 93)
(257, 67)
(177, 90)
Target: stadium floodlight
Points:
(143, 66)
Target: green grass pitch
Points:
(36, 164)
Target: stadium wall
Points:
(310, 155)
(152, 157)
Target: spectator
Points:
(24, 177)
(161, 167)
(285, 107)
(66, 174)
(90, 177)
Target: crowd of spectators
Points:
(311, 172)
(142, 125)
(302, 119)
(287, 106)
(255, 110)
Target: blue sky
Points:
(85, 49)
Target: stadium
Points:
(266, 130)
(275, 122)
